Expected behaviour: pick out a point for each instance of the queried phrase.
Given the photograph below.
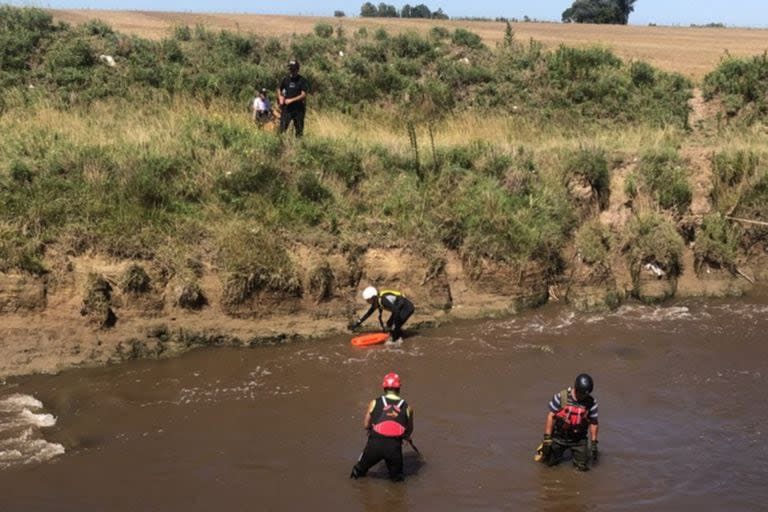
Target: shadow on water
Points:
(412, 464)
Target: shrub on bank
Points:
(717, 243)
(733, 172)
(664, 174)
(408, 73)
(591, 165)
(652, 238)
(593, 243)
(743, 83)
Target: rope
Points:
(747, 221)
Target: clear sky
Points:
(744, 13)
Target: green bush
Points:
(97, 27)
(311, 188)
(653, 238)
(717, 243)
(410, 45)
(666, 178)
(323, 30)
(332, 158)
(592, 165)
(250, 178)
(182, 33)
(732, 172)
(20, 172)
(21, 32)
(593, 242)
(462, 37)
(743, 78)
(642, 73)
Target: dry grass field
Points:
(688, 50)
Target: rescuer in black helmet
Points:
(571, 425)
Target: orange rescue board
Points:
(372, 338)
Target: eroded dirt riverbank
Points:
(45, 327)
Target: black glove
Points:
(594, 451)
(546, 448)
(353, 325)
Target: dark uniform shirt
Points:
(292, 86)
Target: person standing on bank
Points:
(389, 421)
(262, 111)
(572, 419)
(391, 300)
(291, 96)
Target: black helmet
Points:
(294, 64)
(584, 384)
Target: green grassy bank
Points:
(428, 142)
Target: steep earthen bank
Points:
(48, 325)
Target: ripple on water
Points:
(21, 437)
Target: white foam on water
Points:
(39, 420)
(534, 325)
(547, 349)
(21, 437)
(18, 402)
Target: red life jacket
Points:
(389, 417)
(572, 419)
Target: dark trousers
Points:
(579, 452)
(378, 448)
(297, 116)
(398, 319)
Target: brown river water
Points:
(682, 392)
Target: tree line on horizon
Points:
(614, 12)
(369, 10)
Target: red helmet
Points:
(391, 381)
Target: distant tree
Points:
(599, 11)
(339, 14)
(406, 11)
(387, 11)
(626, 7)
(422, 11)
(439, 15)
(368, 10)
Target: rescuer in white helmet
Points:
(394, 302)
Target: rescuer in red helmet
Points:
(389, 421)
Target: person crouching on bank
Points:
(391, 300)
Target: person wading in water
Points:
(389, 421)
(391, 300)
(572, 419)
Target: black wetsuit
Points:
(290, 87)
(400, 307)
(388, 445)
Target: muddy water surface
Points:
(682, 406)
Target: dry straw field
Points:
(692, 51)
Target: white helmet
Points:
(370, 293)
